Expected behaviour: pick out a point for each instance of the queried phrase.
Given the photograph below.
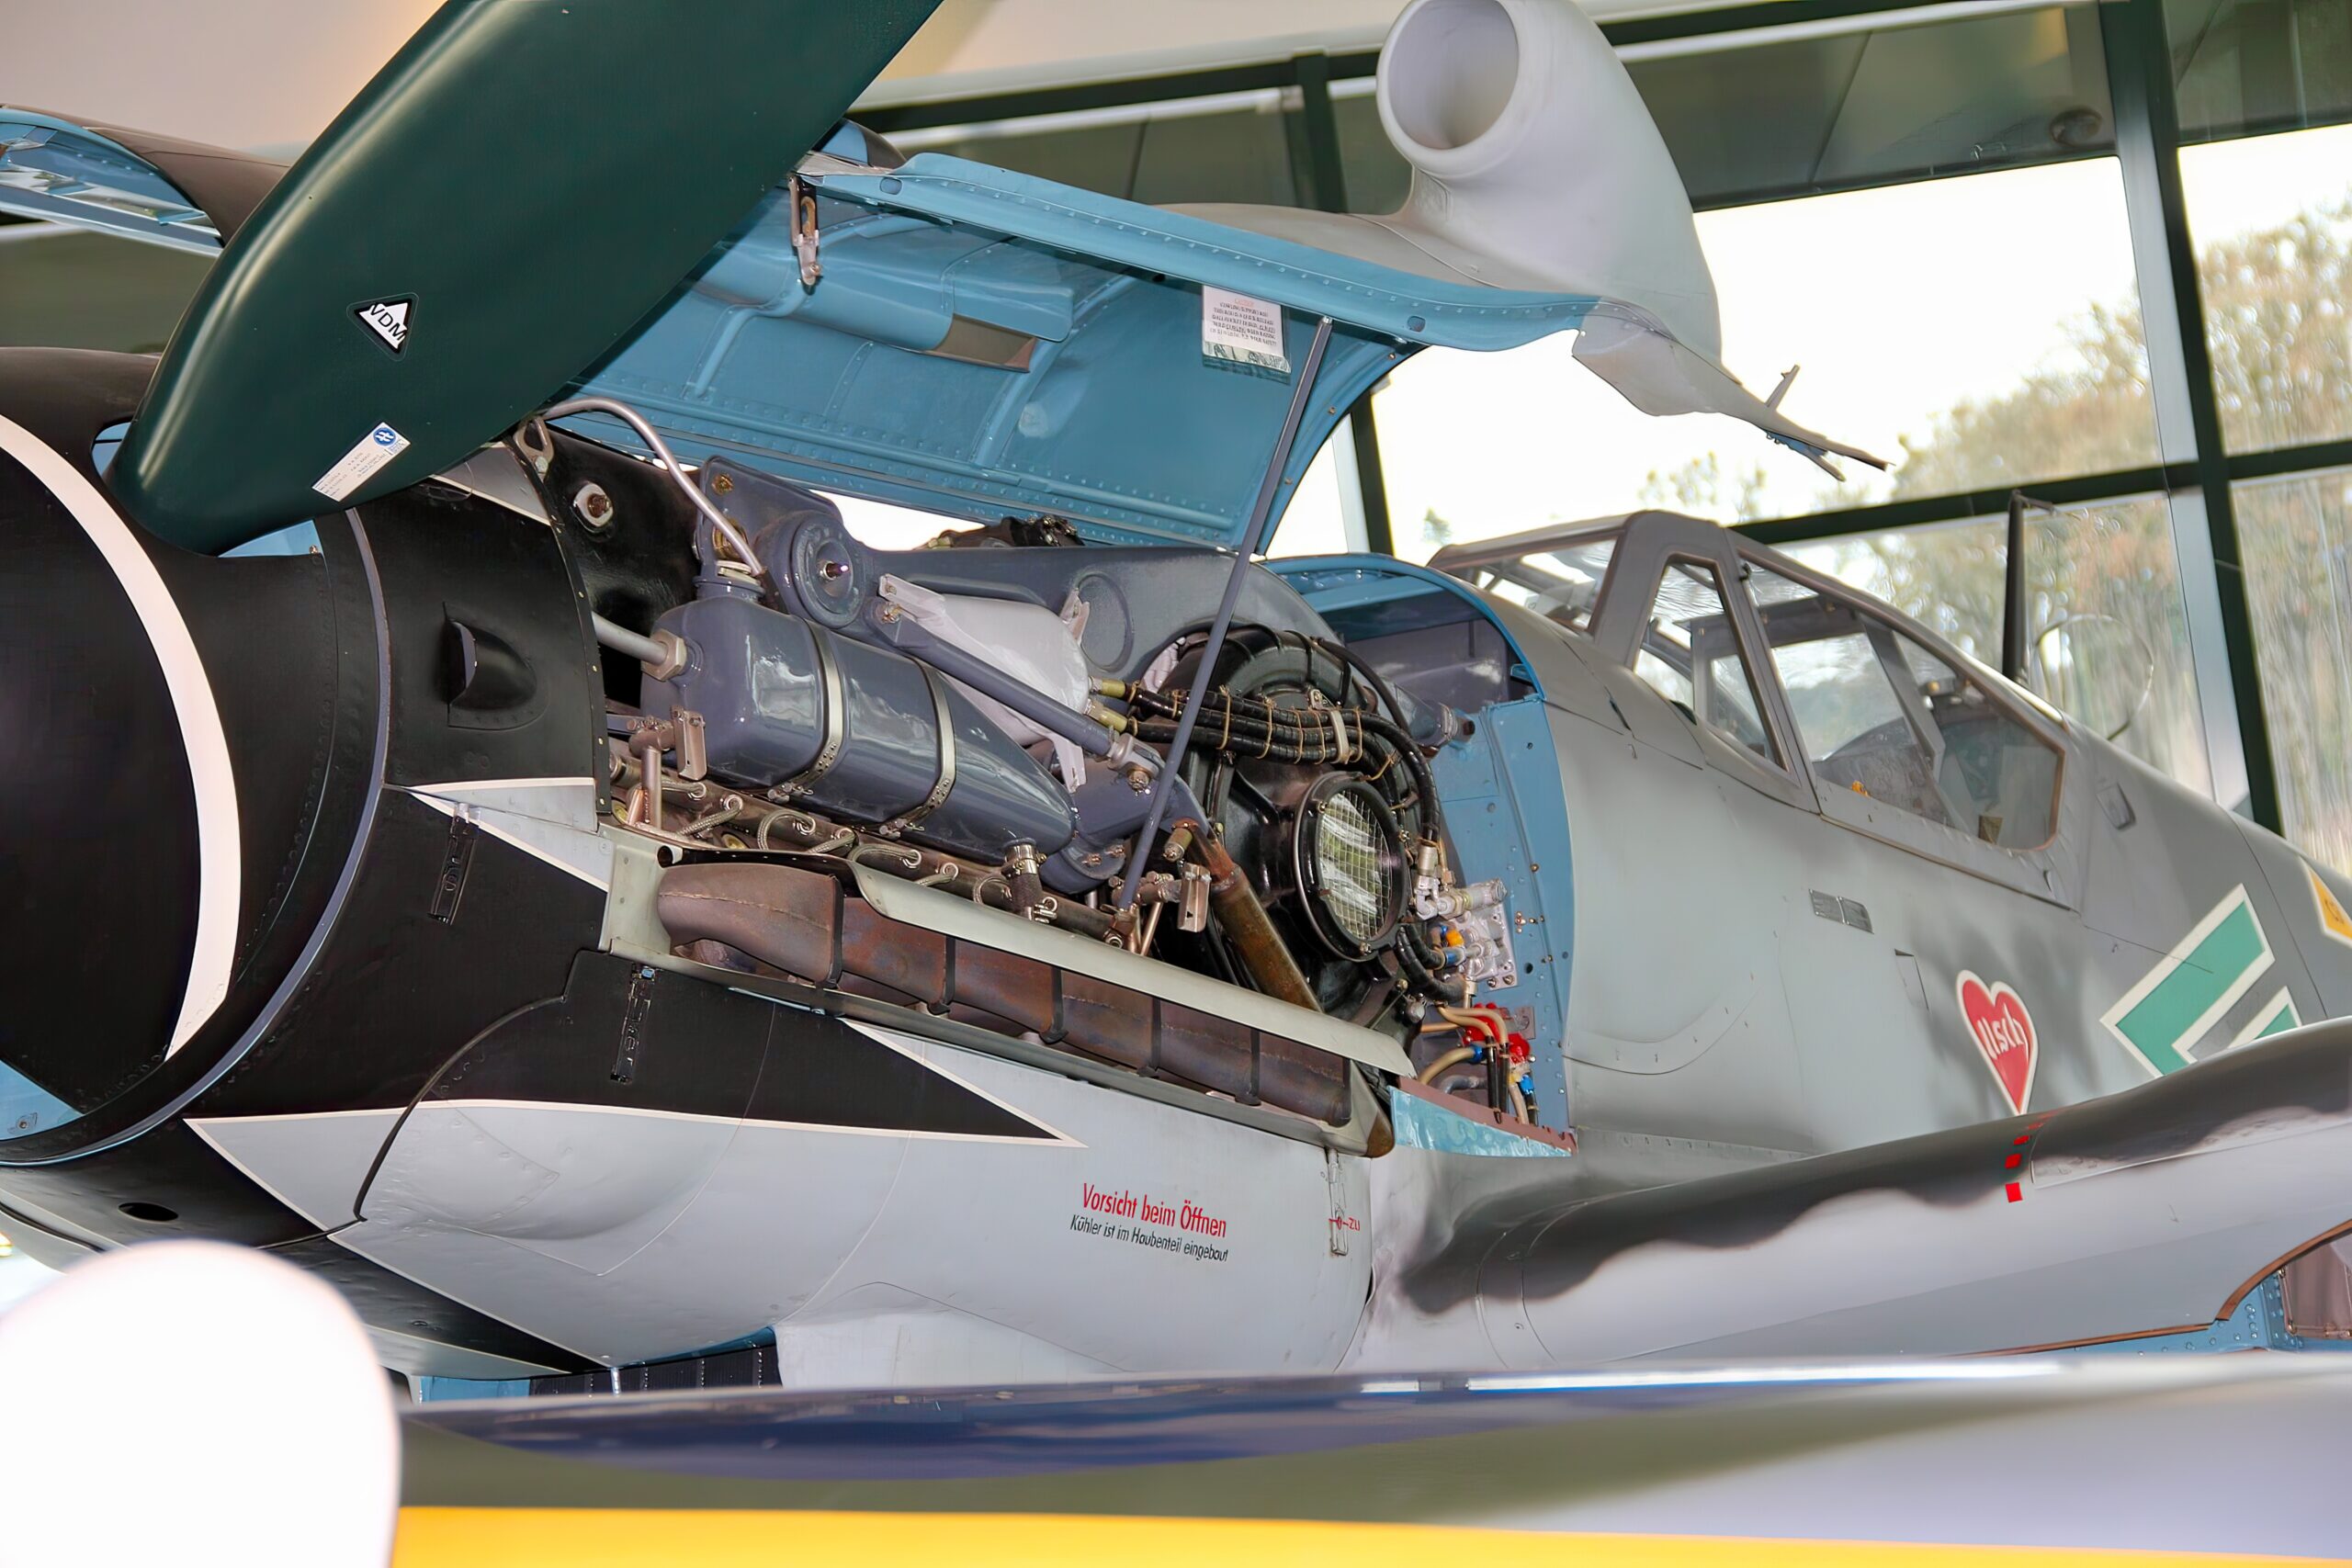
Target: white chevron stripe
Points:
(219, 856)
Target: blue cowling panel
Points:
(983, 342)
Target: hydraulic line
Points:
(1302, 736)
(1260, 514)
(636, 645)
(1483, 1018)
(661, 655)
(1453, 1058)
(720, 523)
(1425, 973)
(1372, 678)
(1314, 722)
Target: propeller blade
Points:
(509, 194)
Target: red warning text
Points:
(1184, 1215)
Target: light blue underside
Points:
(1074, 381)
(93, 182)
(1420, 1125)
(1115, 420)
(431, 1390)
(26, 1107)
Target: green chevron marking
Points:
(2274, 1017)
(2200, 979)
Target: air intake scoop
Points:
(1536, 167)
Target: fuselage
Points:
(328, 939)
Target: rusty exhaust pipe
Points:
(1245, 923)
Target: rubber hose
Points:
(1372, 678)
(1453, 1058)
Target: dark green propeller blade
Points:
(520, 185)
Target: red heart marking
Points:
(2003, 1029)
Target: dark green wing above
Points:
(501, 204)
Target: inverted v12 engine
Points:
(987, 717)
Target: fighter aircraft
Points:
(571, 893)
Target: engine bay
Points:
(804, 723)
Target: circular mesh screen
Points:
(1347, 867)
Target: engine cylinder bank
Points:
(863, 732)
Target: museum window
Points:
(2272, 220)
(1982, 330)
(2296, 533)
(1325, 516)
(1689, 655)
(1971, 365)
(2242, 67)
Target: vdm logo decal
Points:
(388, 320)
(2002, 1030)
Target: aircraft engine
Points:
(858, 730)
(1326, 805)
(990, 715)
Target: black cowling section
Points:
(98, 860)
(99, 871)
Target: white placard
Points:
(388, 319)
(1242, 331)
(375, 449)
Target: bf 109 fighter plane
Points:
(599, 913)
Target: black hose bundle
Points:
(1305, 737)
(1238, 727)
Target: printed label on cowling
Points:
(388, 319)
(359, 465)
(1242, 331)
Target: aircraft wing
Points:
(1757, 1463)
(132, 183)
(2151, 1214)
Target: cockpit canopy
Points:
(1798, 686)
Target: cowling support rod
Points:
(1253, 539)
